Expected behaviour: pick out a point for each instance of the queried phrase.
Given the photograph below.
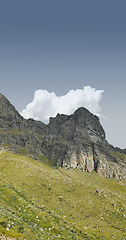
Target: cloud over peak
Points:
(46, 104)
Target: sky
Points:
(53, 52)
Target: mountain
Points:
(74, 141)
(46, 188)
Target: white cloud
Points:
(45, 104)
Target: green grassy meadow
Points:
(39, 201)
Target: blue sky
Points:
(63, 45)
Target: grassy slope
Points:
(41, 202)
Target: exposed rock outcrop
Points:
(75, 141)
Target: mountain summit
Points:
(74, 141)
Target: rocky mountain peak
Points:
(74, 141)
(81, 124)
(6, 108)
(86, 120)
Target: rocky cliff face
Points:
(75, 141)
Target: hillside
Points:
(62, 180)
(39, 201)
